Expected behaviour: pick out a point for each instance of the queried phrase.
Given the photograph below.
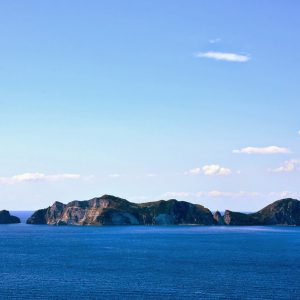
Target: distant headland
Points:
(110, 210)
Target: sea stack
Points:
(218, 218)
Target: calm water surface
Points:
(140, 262)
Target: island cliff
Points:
(6, 218)
(281, 212)
(110, 210)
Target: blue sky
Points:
(149, 100)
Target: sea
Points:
(148, 262)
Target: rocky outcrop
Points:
(236, 218)
(218, 218)
(6, 218)
(281, 212)
(39, 217)
(110, 210)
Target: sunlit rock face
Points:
(219, 220)
(110, 210)
(281, 212)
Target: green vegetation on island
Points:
(110, 210)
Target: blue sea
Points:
(149, 262)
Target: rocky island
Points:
(6, 218)
(281, 212)
(110, 210)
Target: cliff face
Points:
(219, 220)
(240, 219)
(6, 218)
(281, 212)
(110, 210)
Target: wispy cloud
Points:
(240, 194)
(209, 170)
(211, 194)
(228, 195)
(195, 171)
(299, 132)
(214, 41)
(151, 175)
(288, 166)
(216, 170)
(225, 56)
(114, 175)
(263, 150)
(31, 177)
(176, 195)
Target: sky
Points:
(147, 100)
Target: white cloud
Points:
(262, 150)
(215, 170)
(299, 132)
(214, 41)
(209, 170)
(176, 194)
(216, 194)
(211, 194)
(240, 194)
(30, 177)
(195, 171)
(233, 57)
(288, 166)
(114, 175)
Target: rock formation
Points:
(110, 210)
(6, 218)
(218, 218)
(237, 218)
(281, 212)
